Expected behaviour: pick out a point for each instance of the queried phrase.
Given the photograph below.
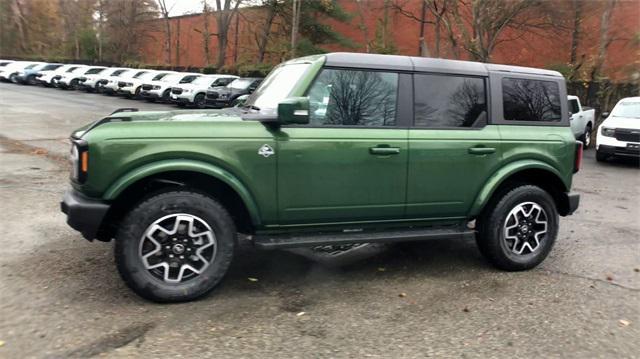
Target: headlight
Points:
(79, 160)
(608, 131)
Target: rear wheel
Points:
(518, 228)
(73, 85)
(31, 80)
(586, 137)
(175, 246)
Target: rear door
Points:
(350, 162)
(452, 149)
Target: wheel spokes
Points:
(177, 247)
(525, 228)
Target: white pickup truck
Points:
(582, 120)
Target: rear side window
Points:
(353, 98)
(449, 101)
(531, 100)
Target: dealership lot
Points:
(61, 296)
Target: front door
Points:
(350, 162)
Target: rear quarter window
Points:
(531, 100)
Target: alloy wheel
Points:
(177, 247)
(525, 228)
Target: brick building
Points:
(543, 49)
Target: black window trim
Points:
(495, 79)
(399, 92)
(487, 96)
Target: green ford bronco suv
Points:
(329, 150)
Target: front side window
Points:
(531, 100)
(353, 98)
(449, 101)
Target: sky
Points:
(182, 7)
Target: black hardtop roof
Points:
(426, 64)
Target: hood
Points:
(622, 122)
(190, 86)
(126, 119)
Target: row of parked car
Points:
(181, 88)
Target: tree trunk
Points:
(266, 30)
(575, 35)
(422, 46)
(605, 40)
(295, 22)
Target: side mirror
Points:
(241, 100)
(294, 110)
(605, 114)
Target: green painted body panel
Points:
(323, 177)
(330, 174)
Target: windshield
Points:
(30, 66)
(276, 87)
(94, 71)
(139, 74)
(188, 79)
(117, 72)
(78, 70)
(203, 80)
(50, 67)
(240, 84)
(627, 109)
(160, 76)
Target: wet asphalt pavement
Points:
(60, 296)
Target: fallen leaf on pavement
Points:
(1, 343)
(301, 314)
(40, 151)
(466, 310)
(402, 295)
(625, 323)
(609, 278)
(252, 279)
(381, 269)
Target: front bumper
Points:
(182, 98)
(630, 150)
(84, 214)
(217, 102)
(151, 94)
(127, 91)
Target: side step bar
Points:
(279, 241)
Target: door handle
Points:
(482, 150)
(384, 150)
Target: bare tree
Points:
(295, 24)
(167, 30)
(206, 33)
(490, 18)
(263, 37)
(605, 39)
(224, 14)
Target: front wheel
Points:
(601, 157)
(199, 101)
(175, 246)
(519, 228)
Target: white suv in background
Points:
(91, 82)
(161, 89)
(194, 92)
(71, 80)
(619, 133)
(49, 78)
(110, 87)
(132, 87)
(12, 69)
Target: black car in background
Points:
(225, 96)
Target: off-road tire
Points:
(586, 137)
(490, 236)
(132, 229)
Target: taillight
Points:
(578, 159)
